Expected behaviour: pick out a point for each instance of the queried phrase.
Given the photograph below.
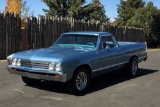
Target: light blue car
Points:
(75, 58)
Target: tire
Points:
(132, 67)
(79, 82)
(30, 81)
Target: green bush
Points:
(153, 40)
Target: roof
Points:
(89, 33)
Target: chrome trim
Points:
(42, 76)
(34, 64)
(142, 57)
(114, 40)
(110, 66)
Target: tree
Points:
(25, 10)
(127, 9)
(149, 19)
(95, 11)
(57, 8)
(77, 9)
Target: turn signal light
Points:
(57, 75)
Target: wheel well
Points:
(85, 66)
(134, 57)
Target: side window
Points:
(107, 42)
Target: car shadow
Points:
(114, 78)
(97, 83)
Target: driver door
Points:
(108, 54)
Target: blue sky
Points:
(110, 6)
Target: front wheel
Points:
(79, 82)
(132, 67)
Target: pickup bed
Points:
(75, 58)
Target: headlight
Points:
(54, 67)
(19, 62)
(51, 66)
(58, 67)
(14, 62)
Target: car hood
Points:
(48, 54)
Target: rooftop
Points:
(89, 33)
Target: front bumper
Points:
(35, 75)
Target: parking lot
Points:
(110, 90)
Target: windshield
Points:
(77, 41)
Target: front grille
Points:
(34, 64)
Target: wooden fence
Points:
(10, 34)
(42, 32)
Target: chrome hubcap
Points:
(81, 81)
(134, 67)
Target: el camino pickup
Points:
(75, 58)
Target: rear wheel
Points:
(79, 82)
(30, 81)
(132, 67)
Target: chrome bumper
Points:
(42, 76)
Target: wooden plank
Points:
(43, 31)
